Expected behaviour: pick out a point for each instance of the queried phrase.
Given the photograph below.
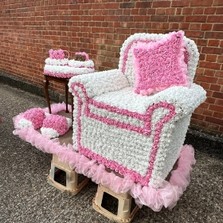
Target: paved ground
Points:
(26, 197)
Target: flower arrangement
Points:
(31, 118)
(112, 124)
(55, 125)
(50, 125)
(159, 65)
(58, 65)
(126, 64)
(57, 54)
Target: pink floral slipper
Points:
(55, 125)
(31, 118)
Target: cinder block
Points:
(125, 210)
(72, 183)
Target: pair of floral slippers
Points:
(50, 125)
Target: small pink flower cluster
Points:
(36, 116)
(56, 54)
(56, 122)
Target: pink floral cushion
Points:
(160, 64)
(55, 125)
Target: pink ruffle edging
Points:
(155, 198)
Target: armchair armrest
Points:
(185, 99)
(98, 83)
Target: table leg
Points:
(46, 85)
(72, 107)
(66, 97)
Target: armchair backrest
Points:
(191, 54)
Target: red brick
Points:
(187, 11)
(206, 26)
(207, 79)
(218, 95)
(174, 26)
(212, 42)
(218, 27)
(127, 5)
(159, 18)
(160, 11)
(205, 85)
(175, 18)
(219, 102)
(209, 11)
(219, 10)
(216, 19)
(211, 57)
(210, 65)
(195, 18)
(157, 4)
(144, 4)
(202, 42)
(201, 3)
(215, 87)
(214, 35)
(208, 113)
(214, 120)
(219, 73)
(195, 26)
(217, 108)
(194, 34)
(184, 26)
(220, 59)
(218, 3)
(220, 81)
(212, 50)
(180, 3)
(198, 11)
(218, 114)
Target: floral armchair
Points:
(133, 120)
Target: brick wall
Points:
(28, 29)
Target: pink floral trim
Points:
(111, 164)
(61, 75)
(144, 180)
(155, 198)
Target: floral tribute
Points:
(166, 195)
(50, 125)
(55, 126)
(58, 64)
(31, 118)
(138, 138)
(57, 54)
